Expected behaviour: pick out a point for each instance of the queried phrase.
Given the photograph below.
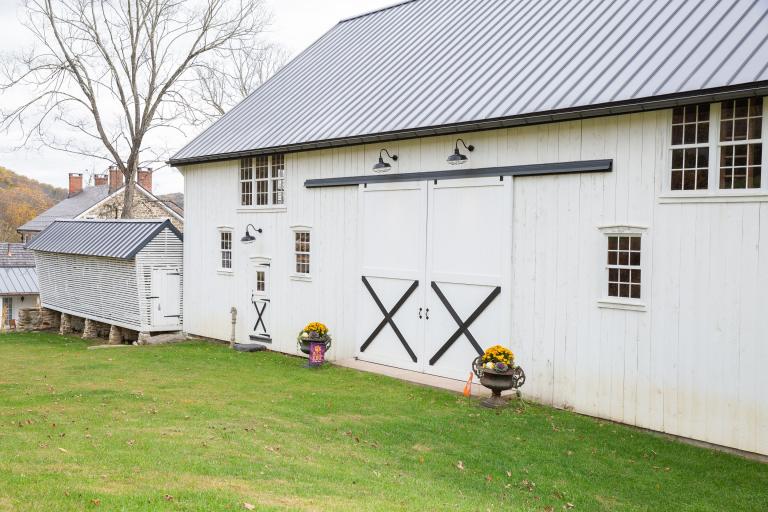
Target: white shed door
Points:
(392, 282)
(436, 266)
(166, 304)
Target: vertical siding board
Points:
(760, 383)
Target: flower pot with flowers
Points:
(314, 332)
(497, 371)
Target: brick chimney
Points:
(75, 183)
(100, 179)
(144, 178)
(115, 178)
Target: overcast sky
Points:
(297, 23)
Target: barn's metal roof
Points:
(68, 208)
(115, 238)
(18, 281)
(426, 67)
(15, 255)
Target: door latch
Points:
(427, 313)
(420, 313)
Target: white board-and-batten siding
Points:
(687, 363)
(110, 290)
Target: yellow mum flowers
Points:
(499, 354)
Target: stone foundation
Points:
(94, 330)
(37, 319)
(65, 326)
(115, 335)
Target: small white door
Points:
(261, 311)
(469, 264)
(391, 306)
(166, 298)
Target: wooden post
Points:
(3, 313)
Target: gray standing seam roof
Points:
(68, 208)
(115, 238)
(18, 281)
(415, 68)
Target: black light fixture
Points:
(249, 237)
(383, 166)
(457, 158)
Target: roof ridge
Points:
(380, 9)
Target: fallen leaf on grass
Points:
(488, 478)
(568, 506)
(460, 465)
(248, 506)
(168, 497)
(62, 450)
(95, 502)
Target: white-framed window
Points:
(262, 181)
(261, 281)
(741, 143)
(302, 245)
(246, 182)
(225, 250)
(624, 278)
(716, 149)
(624, 270)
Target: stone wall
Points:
(37, 319)
(144, 207)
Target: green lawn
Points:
(197, 426)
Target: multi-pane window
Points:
(278, 179)
(262, 180)
(261, 281)
(624, 274)
(246, 182)
(690, 147)
(7, 308)
(302, 251)
(741, 123)
(225, 241)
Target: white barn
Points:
(126, 273)
(607, 221)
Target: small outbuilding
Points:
(18, 282)
(123, 273)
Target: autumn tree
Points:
(106, 75)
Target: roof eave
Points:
(601, 110)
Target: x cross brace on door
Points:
(463, 325)
(388, 317)
(260, 313)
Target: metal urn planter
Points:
(497, 381)
(304, 343)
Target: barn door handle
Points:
(427, 313)
(420, 313)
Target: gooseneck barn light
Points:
(383, 166)
(248, 236)
(458, 158)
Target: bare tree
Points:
(225, 83)
(104, 74)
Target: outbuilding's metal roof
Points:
(426, 67)
(18, 281)
(68, 208)
(115, 238)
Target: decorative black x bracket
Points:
(463, 325)
(260, 314)
(388, 317)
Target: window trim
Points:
(624, 303)
(270, 206)
(713, 193)
(296, 276)
(220, 230)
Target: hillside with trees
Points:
(22, 199)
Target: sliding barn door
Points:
(468, 267)
(391, 306)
